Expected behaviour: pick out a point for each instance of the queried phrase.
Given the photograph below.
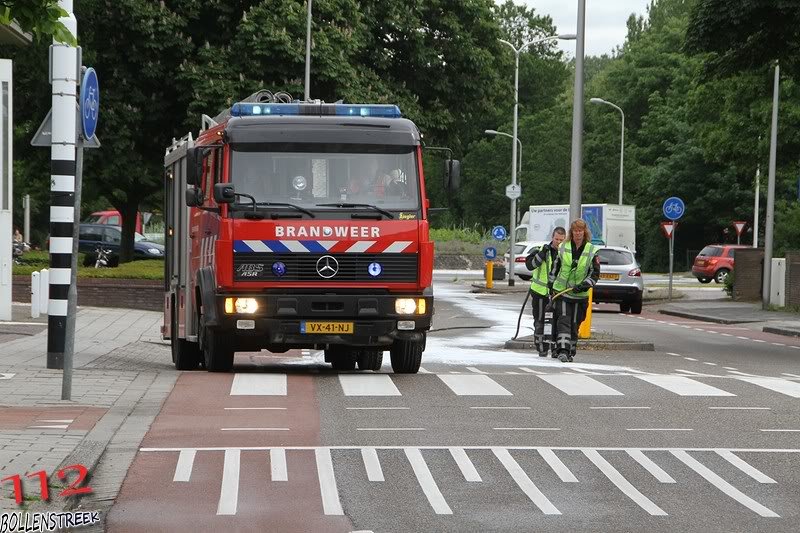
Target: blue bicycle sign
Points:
(674, 208)
(90, 103)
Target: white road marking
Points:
(712, 331)
(529, 370)
(64, 421)
(390, 429)
(780, 430)
(424, 371)
(377, 408)
(683, 386)
(183, 469)
(740, 373)
(524, 482)
(469, 385)
(475, 370)
(368, 385)
(675, 354)
(229, 492)
(726, 334)
(650, 466)
(580, 385)
(778, 344)
(729, 368)
(709, 364)
(690, 358)
(5, 375)
(254, 429)
(745, 467)
(372, 464)
(689, 372)
(743, 338)
(49, 427)
(723, 485)
(277, 465)
(742, 408)
(527, 429)
(795, 347)
(790, 375)
(465, 465)
(623, 484)
(561, 470)
(619, 407)
(783, 386)
(255, 408)
(327, 483)
(426, 482)
(259, 385)
(513, 373)
(499, 407)
(659, 429)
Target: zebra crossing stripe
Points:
(745, 467)
(229, 492)
(474, 385)
(465, 465)
(327, 483)
(277, 464)
(683, 386)
(623, 484)
(561, 470)
(183, 470)
(426, 482)
(524, 482)
(723, 485)
(783, 386)
(372, 464)
(650, 466)
(579, 385)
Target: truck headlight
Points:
(242, 306)
(410, 306)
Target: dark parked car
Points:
(110, 237)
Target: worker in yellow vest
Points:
(577, 267)
(540, 263)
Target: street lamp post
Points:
(622, 140)
(576, 164)
(517, 52)
(519, 145)
(308, 55)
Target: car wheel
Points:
(721, 275)
(704, 280)
(625, 307)
(524, 277)
(636, 306)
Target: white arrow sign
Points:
(514, 191)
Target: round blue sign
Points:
(90, 103)
(375, 269)
(674, 208)
(490, 252)
(499, 233)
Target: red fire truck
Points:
(299, 225)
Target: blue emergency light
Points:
(249, 109)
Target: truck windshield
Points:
(308, 175)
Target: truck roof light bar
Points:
(248, 109)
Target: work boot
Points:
(569, 358)
(542, 353)
(563, 357)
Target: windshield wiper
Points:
(284, 204)
(369, 206)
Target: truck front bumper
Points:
(280, 322)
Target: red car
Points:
(714, 262)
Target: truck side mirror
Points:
(194, 164)
(224, 193)
(194, 196)
(452, 175)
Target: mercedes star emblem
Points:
(327, 266)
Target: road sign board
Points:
(490, 252)
(514, 191)
(673, 208)
(668, 228)
(90, 103)
(739, 225)
(45, 132)
(499, 233)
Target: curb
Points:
(517, 289)
(590, 345)
(704, 318)
(781, 331)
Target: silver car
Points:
(620, 279)
(521, 251)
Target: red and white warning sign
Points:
(668, 228)
(739, 225)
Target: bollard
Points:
(585, 330)
(44, 291)
(489, 274)
(34, 295)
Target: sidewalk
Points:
(120, 363)
(730, 312)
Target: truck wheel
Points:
(185, 354)
(636, 306)
(341, 358)
(625, 307)
(370, 360)
(406, 356)
(217, 350)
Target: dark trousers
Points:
(539, 303)
(571, 313)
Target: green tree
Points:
(39, 17)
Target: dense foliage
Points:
(694, 78)
(38, 17)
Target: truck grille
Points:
(303, 267)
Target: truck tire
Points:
(341, 358)
(406, 356)
(185, 354)
(370, 359)
(636, 306)
(625, 307)
(217, 350)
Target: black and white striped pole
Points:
(64, 79)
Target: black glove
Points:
(581, 287)
(550, 289)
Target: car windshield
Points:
(615, 257)
(519, 249)
(308, 175)
(711, 251)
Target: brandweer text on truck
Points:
(299, 225)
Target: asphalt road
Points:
(701, 435)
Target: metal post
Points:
(26, 228)
(64, 70)
(755, 209)
(513, 225)
(72, 297)
(576, 168)
(671, 257)
(308, 55)
(773, 149)
(621, 155)
(34, 295)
